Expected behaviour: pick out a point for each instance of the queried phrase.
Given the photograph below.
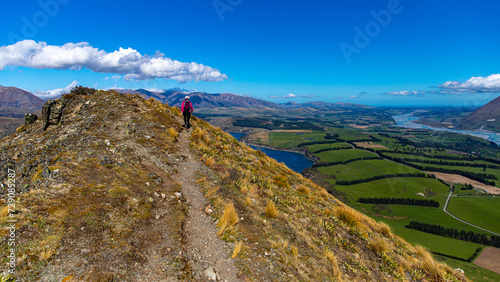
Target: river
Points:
(294, 161)
(407, 121)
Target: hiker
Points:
(187, 110)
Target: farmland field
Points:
(481, 211)
(344, 155)
(364, 169)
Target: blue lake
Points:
(294, 161)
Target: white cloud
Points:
(489, 84)
(114, 77)
(291, 95)
(405, 93)
(127, 62)
(56, 92)
(354, 96)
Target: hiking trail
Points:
(208, 256)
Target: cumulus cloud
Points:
(489, 84)
(56, 92)
(291, 95)
(127, 62)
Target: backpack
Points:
(187, 106)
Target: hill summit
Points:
(487, 117)
(111, 187)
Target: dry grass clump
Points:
(378, 245)
(295, 251)
(248, 201)
(324, 193)
(330, 256)
(47, 253)
(281, 181)
(383, 228)
(198, 134)
(271, 210)
(348, 215)
(228, 219)
(304, 189)
(428, 264)
(237, 249)
(173, 133)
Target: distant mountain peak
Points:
(13, 97)
(487, 117)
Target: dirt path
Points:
(208, 256)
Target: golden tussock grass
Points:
(212, 191)
(210, 161)
(271, 210)
(304, 189)
(324, 193)
(378, 245)
(330, 256)
(237, 249)
(173, 133)
(427, 263)
(348, 215)
(248, 201)
(383, 228)
(295, 251)
(228, 219)
(47, 253)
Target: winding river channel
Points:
(407, 121)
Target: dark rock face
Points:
(29, 119)
(52, 112)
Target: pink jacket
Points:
(183, 103)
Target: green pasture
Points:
(364, 169)
(402, 187)
(316, 147)
(481, 211)
(292, 139)
(344, 155)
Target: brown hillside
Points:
(116, 190)
(487, 117)
(12, 97)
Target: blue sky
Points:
(382, 53)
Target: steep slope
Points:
(487, 117)
(12, 97)
(115, 189)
